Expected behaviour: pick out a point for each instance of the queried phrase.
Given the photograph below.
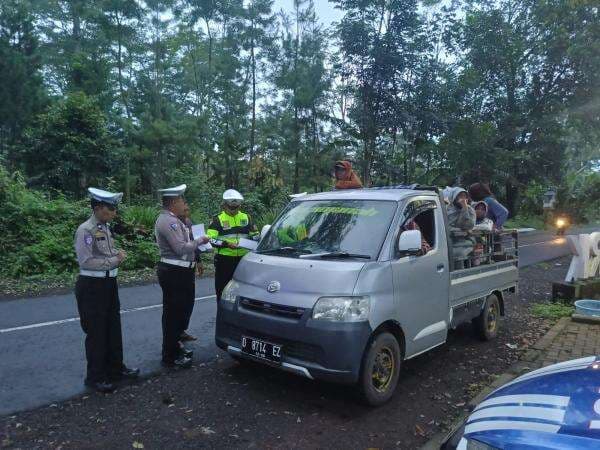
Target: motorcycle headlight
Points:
(230, 292)
(342, 309)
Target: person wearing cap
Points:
(175, 274)
(97, 294)
(345, 177)
(225, 232)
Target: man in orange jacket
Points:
(345, 177)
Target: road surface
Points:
(41, 342)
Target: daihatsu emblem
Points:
(273, 286)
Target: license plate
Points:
(261, 349)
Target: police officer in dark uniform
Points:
(175, 274)
(187, 221)
(97, 294)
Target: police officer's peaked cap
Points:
(176, 191)
(112, 198)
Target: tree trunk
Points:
(296, 152)
(253, 64)
(315, 142)
(210, 62)
(76, 76)
(120, 68)
(512, 195)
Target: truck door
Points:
(421, 282)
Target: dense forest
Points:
(135, 95)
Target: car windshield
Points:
(330, 229)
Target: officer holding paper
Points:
(225, 231)
(97, 294)
(175, 274)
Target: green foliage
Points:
(141, 251)
(70, 147)
(552, 311)
(22, 93)
(139, 217)
(268, 217)
(39, 230)
(531, 200)
(523, 221)
(580, 196)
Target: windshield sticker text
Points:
(346, 210)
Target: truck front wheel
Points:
(487, 323)
(380, 369)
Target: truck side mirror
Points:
(264, 231)
(409, 242)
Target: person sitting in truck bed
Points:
(496, 211)
(482, 222)
(461, 217)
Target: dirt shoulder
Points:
(223, 404)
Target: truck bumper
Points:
(314, 349)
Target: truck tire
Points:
(487, 323)
(380, 369)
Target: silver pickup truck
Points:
(346, 285)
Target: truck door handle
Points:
(440, 268)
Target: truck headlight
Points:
(230, 292)
(342, 309)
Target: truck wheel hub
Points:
(383, 369)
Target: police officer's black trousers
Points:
(98, 305)
(224, 269)
(179, 290)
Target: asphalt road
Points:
(41, 343)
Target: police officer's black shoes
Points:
(182, 362)
(187, 337)
(125, 374)
(185, 352)
(103, 387)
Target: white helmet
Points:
(232, 195)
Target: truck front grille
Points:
(272, 309)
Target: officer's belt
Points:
(99, 273)
(178, 262)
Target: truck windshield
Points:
(327, 228)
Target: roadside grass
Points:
(552, 311)
(536, 222)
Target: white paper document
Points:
(248, 244)
(198, 231)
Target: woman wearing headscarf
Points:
(461, 217)
(480, 192)
(345, 177)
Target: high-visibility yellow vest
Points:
(231, 229)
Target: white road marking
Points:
(74, 319)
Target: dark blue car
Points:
(556, 407)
